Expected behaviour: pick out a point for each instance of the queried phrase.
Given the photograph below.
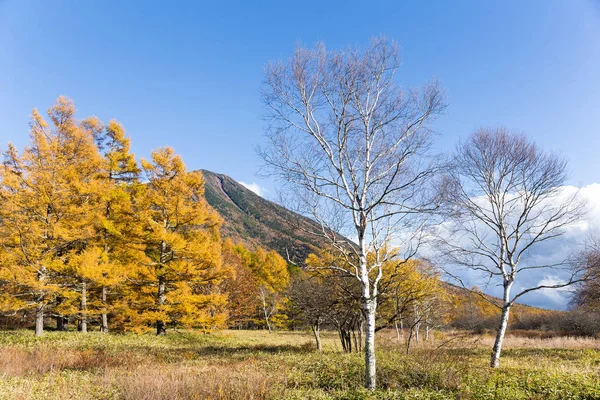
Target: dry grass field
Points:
(284, 365)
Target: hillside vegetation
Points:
(256, 222)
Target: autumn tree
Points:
(257, 287)
(342, 294)
(315, 298)
(270, 272)
(242, 286)
(47, 211)
(473, 310)
(118, 229)
(183, 260)
(412, 296)
(505, 198)
(351, 146)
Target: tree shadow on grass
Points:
(233, 353)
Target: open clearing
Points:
(284, 365)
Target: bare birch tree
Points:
(506, 197)
(351, 146)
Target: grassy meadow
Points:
(285, 365)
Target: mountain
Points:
(254, 221)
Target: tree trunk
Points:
(495, 361)
(370, 365)
(416, 333)
(348, 340)
(60, 323)
(83, 318)
(104, 316)
(397, 330)
(39, 311)
(263, 297)
(161, 329)
(360, 335)
(316, 331)
(161, 297)
(60, 319)
(342, 341)
(410, 336)
(39, 319)
(427, 308)
(345, 339)
(417, 324)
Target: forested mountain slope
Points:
(254, 221)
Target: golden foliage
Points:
(83, 235)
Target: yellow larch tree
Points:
(48, 208)
(174, 284)
(412, 291)
(242, 286)
(119, 230)
(272, 277)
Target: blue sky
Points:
(187, 74)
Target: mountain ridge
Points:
(255, 221)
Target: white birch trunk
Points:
(497, 350)
(317, 332)
(417, 324)
(39, 319)
(104, 321)
(39, 311)
(161, 329)
(370, 366)
(263, 297)
(83, 320)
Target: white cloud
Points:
(556, 296)
(255, 187)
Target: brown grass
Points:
(512, 340)
(557, 342)
(177, 382)
(16, 361)
(42, 373)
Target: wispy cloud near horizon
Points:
(255, 187)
